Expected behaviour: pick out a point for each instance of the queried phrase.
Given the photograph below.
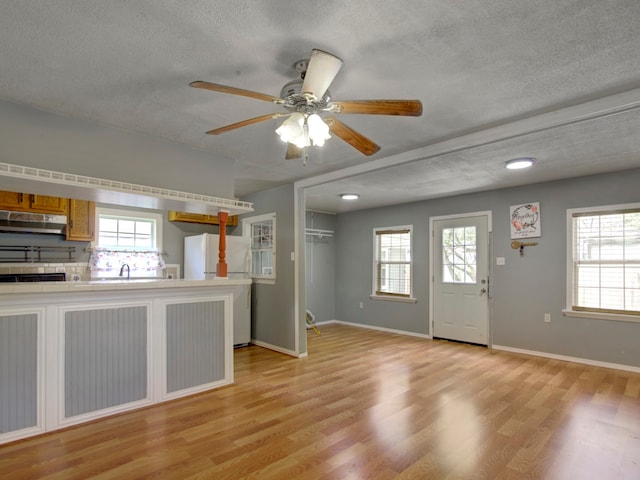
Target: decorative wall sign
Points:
(525, 220)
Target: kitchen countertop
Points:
(116, 284)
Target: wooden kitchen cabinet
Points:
(25, 202)
(81, 214)
(199, 218)
(81, 221)
(46, 204)
(14, 201)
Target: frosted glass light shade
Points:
(292, 128)
(318, 130)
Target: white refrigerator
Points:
(200, 260)
(201, 256)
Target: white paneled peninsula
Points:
(71, 352)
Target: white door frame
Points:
(489, 216)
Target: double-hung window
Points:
(392, 266)
(128, 241)
(262, 232)
(604, 270)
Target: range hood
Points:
(26, 222)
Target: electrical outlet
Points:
(500, 260)
(547, 318)
(361, 305)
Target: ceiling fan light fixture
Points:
(302, 141)
(309, 96)
(318, 130)
(301, 130)
(349, 196)
(520, 163)
(292, 128)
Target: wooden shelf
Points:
(199, 218)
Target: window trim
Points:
(247, 223)
(393, 297)
(569, 310)
(133, 214)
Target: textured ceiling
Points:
(477, 66)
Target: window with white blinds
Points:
(606, 260)
(393, 261)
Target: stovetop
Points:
(32, 277)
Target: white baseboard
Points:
(381, 329)
(328, 322)
(278, 349)
(566, 358)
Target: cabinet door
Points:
(82, 219)
(46, 204)
(14, 201)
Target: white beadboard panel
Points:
(18, 372)
(105, 358)
(195, 343)
(97, 354)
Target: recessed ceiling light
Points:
(518, 163)
(349, 196)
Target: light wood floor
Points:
(366, 405)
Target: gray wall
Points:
(320, 267)
(354, 269)
(272, 306)
(45, 140)
(522, 290)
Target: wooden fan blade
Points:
(411, 108)
(353, 138)
(244, 123)
(293, 152)
(215, 87)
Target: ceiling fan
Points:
(307, 101)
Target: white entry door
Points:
(460, 278)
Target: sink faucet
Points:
(122, 270)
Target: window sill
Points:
(264, 281)
(602, 316)
(390, 298)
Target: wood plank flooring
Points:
(365, 405)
